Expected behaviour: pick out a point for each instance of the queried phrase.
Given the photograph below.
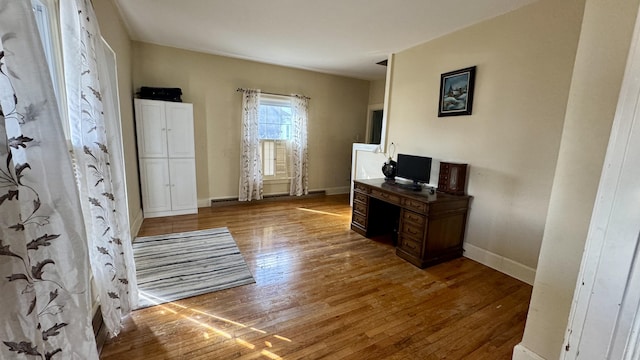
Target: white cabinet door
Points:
(151, 127)
(179, 129)
(156, 187)
(183, 184)
(166, 153)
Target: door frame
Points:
(604, 321)
(370, 110)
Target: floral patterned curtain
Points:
(110, 248)
(44, 265)
(250, 163)
(299, 152)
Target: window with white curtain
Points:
(46, 16)
(274, 130)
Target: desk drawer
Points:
(410, 245)
(359, 220)
(412, 217)
(415, 205)
(361, 197)
(361, 187)
(395, 199)
(413, 230)
(360, 207)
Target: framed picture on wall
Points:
(456, 92)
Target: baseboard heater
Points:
(265, 198)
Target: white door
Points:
(152, 128)
(179, 129)
(156, 190)
(183, 184)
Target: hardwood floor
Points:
(324, 292)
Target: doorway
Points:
(375, 124)
(376, 127)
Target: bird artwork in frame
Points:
(456, 92)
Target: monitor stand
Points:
(415, 186)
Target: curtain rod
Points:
(270, 93)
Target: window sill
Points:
(276, 181)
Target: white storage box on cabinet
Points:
(167, 157)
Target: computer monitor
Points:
(414, 168)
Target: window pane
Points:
(275, 122)
(44, 28)
(275, 159)
(268, 158)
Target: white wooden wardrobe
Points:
(166, 157)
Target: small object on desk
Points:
(389, 169)
(410, 186)
(453, 178)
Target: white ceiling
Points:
(343, 37)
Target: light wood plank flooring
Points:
(324, 292)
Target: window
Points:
(274, 130)
(42, 16)
(46, 16)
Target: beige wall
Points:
(115, 33)
(338, 110)
(524, 62)
(376, 91)
(597, 77)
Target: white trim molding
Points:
(504, 265)
(204, 202)
(520, 352)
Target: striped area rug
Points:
(176, 266)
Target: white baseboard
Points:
(337, 190)
(521, 352)
(136, 223)
(204, 202)
(500, 263)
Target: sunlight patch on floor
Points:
(164, 307)
(319, 212)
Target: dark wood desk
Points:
(429, 227)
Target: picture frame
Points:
(456, 92)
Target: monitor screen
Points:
(416, 168)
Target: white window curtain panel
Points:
(44, 265)
(299, 151)
(250, 163)
(109, 239)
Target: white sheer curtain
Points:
(109, 238)
(299, 151)
(44, 265)
(250, 163)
